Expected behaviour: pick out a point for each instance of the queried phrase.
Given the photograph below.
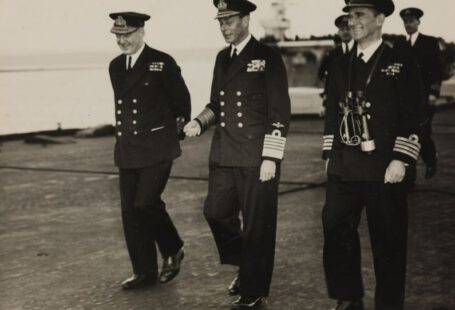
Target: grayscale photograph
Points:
(227, 154)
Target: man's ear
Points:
(380, 19)
(246, 20)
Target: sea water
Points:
(74, 91)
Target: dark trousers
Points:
(428, 147)
(386, 210)
(144, 216)
(235, 190)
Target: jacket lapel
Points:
(118, 73)
(382, 52)
(418, 42)
(240, 62)
(382, 62)
(139, 68)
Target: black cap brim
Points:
(411, 12)
(386, 8)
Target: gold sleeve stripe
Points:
(274, 146)
(328, 142)
(407, 146)
(207, 118)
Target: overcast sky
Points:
(55, 26)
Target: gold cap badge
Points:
(120, 21)
(222, 5)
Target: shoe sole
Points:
(139, 286)
(242, 307)
(233, 293)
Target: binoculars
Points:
(354, 129)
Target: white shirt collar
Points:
(413, 37)
(241, 45)
(135, 56)
(369, 51)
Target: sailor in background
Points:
(371, 147)
(345, 46)
(428, 56)
(250, 107)
(152, 103)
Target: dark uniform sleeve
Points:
(410, 92)
(324, 67)
(210, 115)
(331, 113)
(178, 92)
(279, 108)
(436, 67)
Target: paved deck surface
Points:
(62, 245)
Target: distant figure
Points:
(347, 44)
(250, 106)
(371, 147)
(151, 102)
(428, 55)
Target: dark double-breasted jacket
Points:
(428, 56)
(392, 100)
(250, 106)
(148, 100)
(327, 60)
(326, 63)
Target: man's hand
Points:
(192, 129)
(395, 172)
(268, 170)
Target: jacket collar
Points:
(241, 61)
(135, 56)
(133, 75)
(241, 46)
(369, 51)
(413, 37)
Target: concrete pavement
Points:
(63, 248)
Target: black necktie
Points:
(233, 57)
(346, 48)
(234, 54)
(360, 57)
(129, 63)
(409, 41)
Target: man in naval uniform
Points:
(250, 107)
(151, 103)
(346, 45)
(379, 88)
(428, 55)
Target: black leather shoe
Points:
(138, 281)
(349, 305)
(234, 287)
(247, 303)
(171, 266)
